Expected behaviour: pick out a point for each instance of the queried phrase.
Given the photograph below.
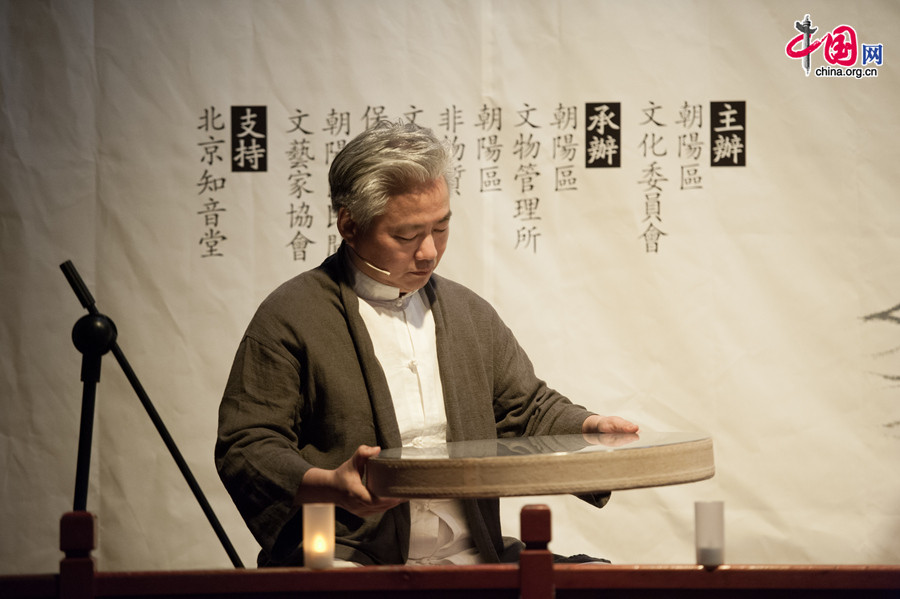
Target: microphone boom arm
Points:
(94, 335)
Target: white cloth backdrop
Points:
(749, 322)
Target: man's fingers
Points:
(362, 455)
(616, 424)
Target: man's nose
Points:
(427, 250)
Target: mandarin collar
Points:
(375, 292)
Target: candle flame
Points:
(319, 544)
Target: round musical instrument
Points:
(542, 465)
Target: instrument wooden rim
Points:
(543, 474)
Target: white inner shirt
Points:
(403, 335)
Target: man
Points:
(372, 349)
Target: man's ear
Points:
(346, 226)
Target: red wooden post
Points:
(536, 561)
(77, 538)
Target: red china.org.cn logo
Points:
(840, 49)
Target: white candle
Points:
(318, 535)
(709, 523)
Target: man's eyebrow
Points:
(419, 227)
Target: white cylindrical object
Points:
(709, 529)
(318, 535)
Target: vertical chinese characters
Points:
(490, 149)
(300, 157)
(565, 148)
(337, 128)
(212, 125)
(603, 133)
(652, 146)
(527, 148)
(728, 133)
(249, 139)
(690, 145)
(450, 120)
(536, 158)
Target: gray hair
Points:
(386, 160)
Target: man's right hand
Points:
(344, 487)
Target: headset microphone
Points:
(369, 264)
(373, 267)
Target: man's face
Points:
(407, 241)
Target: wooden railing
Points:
(534, 577)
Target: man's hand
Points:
(344, 487)
(607, 424)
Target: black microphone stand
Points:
(94, 335)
